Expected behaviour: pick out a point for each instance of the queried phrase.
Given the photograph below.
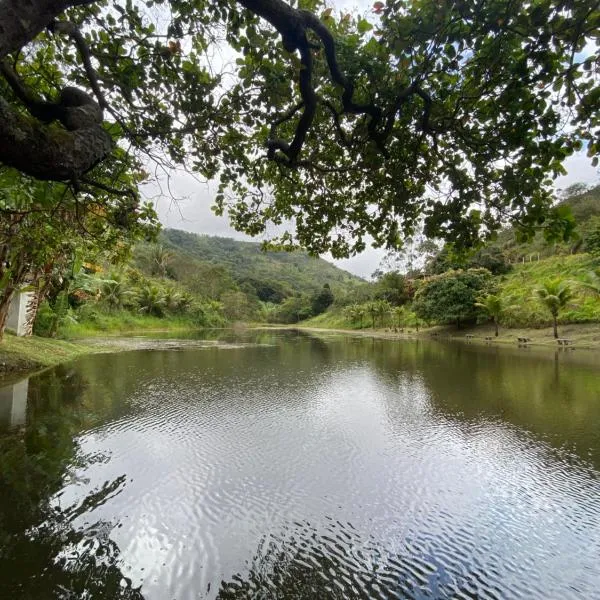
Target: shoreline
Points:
(583, 336)
(26, 356)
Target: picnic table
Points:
(524, 340)
(564, 342)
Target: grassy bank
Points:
(524, 314)
(120, 322)
(18, 354)
(583, 335)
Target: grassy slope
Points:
(528, 318)
(123, 322)
(520, 284)
(586, 210)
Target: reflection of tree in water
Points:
(42, 555)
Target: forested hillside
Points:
(296, 272)
(584, 206)
(186, 280)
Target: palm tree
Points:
(399, 313)
(493, 306)
(355, 313)
(382, 308)
(554, 295)
(171, 298)
(114, 292)
(160, 258)
(150, 300)
(185, 301)
(372, 310)
(592, 282)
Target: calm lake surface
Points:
(283, 465)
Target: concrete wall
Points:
(17, 313)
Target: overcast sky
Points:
(192, 212)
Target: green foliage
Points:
(591, 282)
(293, 310)
(377, 310)
(592, 241)
(525, 309)
(238, 306)
(488, 257)
(554, 295)
(42, 244)
(451, 106)
(355, 314)
(494, 306)
(451, 297)
(321, 300)
(115, 292)
(150, 299)
(394, 288)
(161, 258)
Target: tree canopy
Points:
(446, 114)
(452, 297)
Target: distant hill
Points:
(273, 275)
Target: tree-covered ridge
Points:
(296, 272)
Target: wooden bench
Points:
(564, 342)
(524, 340)
(469, 335)
(488, 338)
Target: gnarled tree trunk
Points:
(6, 295)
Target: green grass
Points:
(333, 319)
(518, 288)
(98, 322)
(29, 353)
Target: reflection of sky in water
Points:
(357, 471)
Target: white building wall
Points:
(17, 313)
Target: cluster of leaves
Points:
(343, 128)
(481, 104)
(452, 296)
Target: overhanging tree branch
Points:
(49, 153)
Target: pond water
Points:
(283, 465)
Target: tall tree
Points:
(451, 297)
(449, 112)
